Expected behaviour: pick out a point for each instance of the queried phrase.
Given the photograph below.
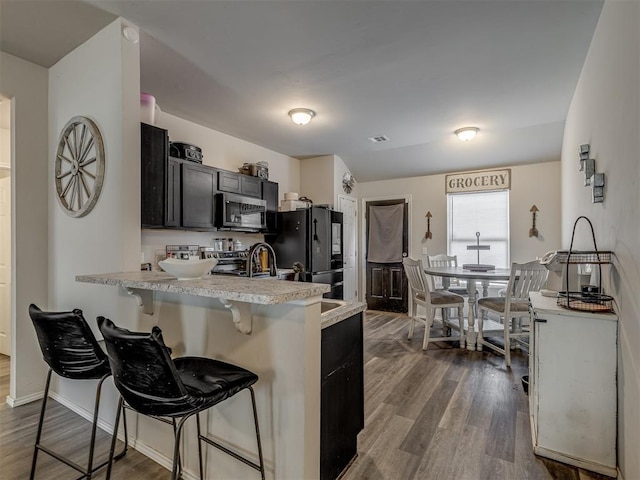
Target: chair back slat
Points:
(444, 260)
(419, 282)
(143, 370)
(68, 345)
(525, 278)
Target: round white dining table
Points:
(471, 277)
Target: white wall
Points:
(230, 153)
(537, 184)
(26, 85)
(321, 179)
(339, 169)
(99, 80)
(317, 179)
(605, 112)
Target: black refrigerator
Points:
(312, 237)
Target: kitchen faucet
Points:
(256, 248)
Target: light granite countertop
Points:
(251, 290)
(342, 312)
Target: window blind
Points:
(485, 212)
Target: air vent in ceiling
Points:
(379, 139)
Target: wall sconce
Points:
(597, 185)
(591, 178)
(467, 133)
(301, 116)
(428, 234)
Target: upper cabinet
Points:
(178, 193)
(241, 184)
(199, 187)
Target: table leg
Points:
(471, 334)
(485, 293)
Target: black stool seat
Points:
(212, 380)
(71, 350)
(154, 384)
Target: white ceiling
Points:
(411, 70)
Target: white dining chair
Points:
(513, 308)
(423, 293)
(444, 260)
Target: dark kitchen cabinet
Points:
(160, 180)
(238, 183)
(341, 395)
(199, 186)
(270, 195)
(228, 182)
(177, 193)
(250, 186)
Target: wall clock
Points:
(79, 166)
(348, 182)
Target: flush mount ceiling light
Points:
(467, 133)
(301, 116)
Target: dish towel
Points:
(385, 233)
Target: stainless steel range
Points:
(229, 263)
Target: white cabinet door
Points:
(574, 393)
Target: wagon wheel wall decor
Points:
(79, 171)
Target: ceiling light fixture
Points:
(467, 133)
(301, 116)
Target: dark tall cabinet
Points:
(160, 176)
(270, 195)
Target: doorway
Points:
(347, 205)
(386, 287)
(5, 226)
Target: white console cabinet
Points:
(572, 385)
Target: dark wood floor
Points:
(443, 414)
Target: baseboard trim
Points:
(17, 402)
(576, 462)
(134, 443)
(160, 459)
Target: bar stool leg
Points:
(94, 426)
(255, 419)
(176, 447)
(39, 433)
(199, 447)
(114, 437)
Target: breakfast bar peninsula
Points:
(271, 327)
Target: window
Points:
(485, 212)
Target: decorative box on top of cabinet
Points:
(572, 385)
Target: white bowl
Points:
(188, 269)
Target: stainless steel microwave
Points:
(240, 213)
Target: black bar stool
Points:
(153, 384)
(71, 351)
